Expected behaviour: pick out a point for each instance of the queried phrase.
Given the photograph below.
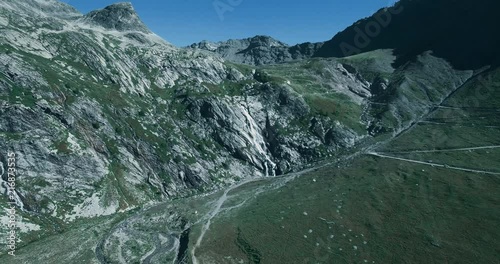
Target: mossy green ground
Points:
(374, 209)
(379, 210)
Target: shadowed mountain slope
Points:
(463, 32)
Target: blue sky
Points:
(182, 22)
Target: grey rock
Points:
(103, 109)
(258, 50)
(120, 16)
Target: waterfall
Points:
(255, 138)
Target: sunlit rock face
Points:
(120, 17)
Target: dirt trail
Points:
(213, 213)
(433, 164)
(443, 150)
(368, 150)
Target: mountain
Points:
(120, 17)
(258, 50)
(129, 149)
(100, 107)
(460, 31)
(448, 29)
(41, 8)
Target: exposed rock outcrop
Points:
(258, 50)
(120, 17)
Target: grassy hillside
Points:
(380, 209)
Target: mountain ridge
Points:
(447, 28)
(127, 118)
(119, 16)
(258, 50)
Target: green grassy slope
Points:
(383, 210)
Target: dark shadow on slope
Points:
(463, 32)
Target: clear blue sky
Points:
(182, 22)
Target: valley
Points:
(132, 150)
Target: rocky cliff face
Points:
(258, 50)
(104, 115)
(42, 9)
(120, 17)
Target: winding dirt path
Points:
(432, 164)
(443, 150)
(211, 214)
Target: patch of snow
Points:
(23, 227)
(73, 144)
(27, 227)
(92, 207)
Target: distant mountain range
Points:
(258, 50)
(463, 32)
(460, 31)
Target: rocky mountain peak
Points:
(51, 8)
(266, 41)
(119, 16)
(258, 50)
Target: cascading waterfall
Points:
(256, 139)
